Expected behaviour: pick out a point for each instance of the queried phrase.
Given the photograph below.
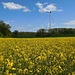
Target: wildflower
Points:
(25, 71)
(13, 68)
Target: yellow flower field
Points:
(37, 56)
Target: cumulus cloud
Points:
(70, 23)
(13, 6)
(8, 22)
(45, 3)
(47, 8)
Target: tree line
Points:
(55, 32)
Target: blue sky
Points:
(30, 15)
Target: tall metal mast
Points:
(50, 19)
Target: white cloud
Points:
(9, 22)
(13, 6)
(45, 3)
(12, 21)
(6, 22)
(26, 10)
(47, 8)
(70, 23)
(20, 28)
(29, 25)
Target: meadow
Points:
(37, 56)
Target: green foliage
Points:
(56, 32)
(17, 34)
(41, 32)
(4, 29)
(1, 35)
